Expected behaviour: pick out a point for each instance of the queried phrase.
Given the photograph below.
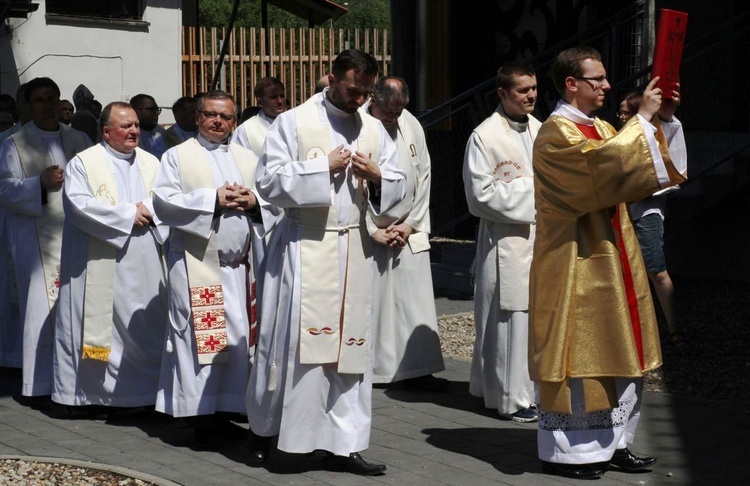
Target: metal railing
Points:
(714, 73)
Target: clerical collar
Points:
(262, 114)
(514, 125)
(116, 154)
(332, 110)
(209, 145)
(566, 110)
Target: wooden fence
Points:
(298, 57)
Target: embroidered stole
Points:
(329, 331)
(32, 153)
(100, 263)
(256, 131)
(514, 251)
(202, 255)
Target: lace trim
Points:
(580, 420)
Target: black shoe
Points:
(575, 471)
(425, 383)
(354, 464)
(626, 461)
(260, 448)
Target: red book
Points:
(670, 39)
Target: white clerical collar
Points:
(566, 110)
(266, 118)
(117, 154)
(516, 126)
(209, 145)
(332, 110)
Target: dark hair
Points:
(181, 103)
(137, 99)
(508, 71)
(569, 63)
(107, 111)
(361, 62)
(37, 83)
(267, 82)
(389, 88)
(214, 95)
(633, 100)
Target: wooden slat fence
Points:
(298, 57)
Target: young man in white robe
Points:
(112, 308)
(499, 185)
(31, 177)
(205, 193)
(326, 164)
(271, 97)
(406, 344)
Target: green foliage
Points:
(363, 14)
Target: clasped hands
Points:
(236, 197)
(143, 216)
(395, 235)
(362, 165)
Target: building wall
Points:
(114, 60)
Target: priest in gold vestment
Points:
(592, 329)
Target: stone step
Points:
(458, 254)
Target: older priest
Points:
(325, 164)
(204, 193)
(112, 309)
(31, 176)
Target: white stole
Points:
(202, 255)
(330, 332)
(515, 249)
(100, 263)
(255, 131)
(34, 160)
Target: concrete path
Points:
(424, 438)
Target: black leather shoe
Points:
(260, 447)
(354, 464)
(626, 461)
(575, 471)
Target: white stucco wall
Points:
(113, 61)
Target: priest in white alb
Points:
(406, 344)
(205, 193)
(499, 185)
(326, 164)
(112, 308)
(31, 176)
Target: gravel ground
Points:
(15, 472)
(714, 363)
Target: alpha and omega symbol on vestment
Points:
(314, 153)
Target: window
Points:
(109, 9)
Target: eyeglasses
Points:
(152, 109)
(598, 79)
(213, 114)
(623, 113)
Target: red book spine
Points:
(670, 40)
